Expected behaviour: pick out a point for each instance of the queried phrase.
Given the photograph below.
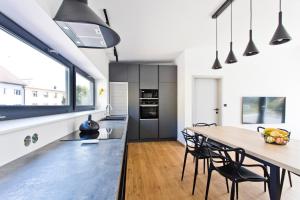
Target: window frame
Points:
(9, 112)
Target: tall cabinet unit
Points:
(168, 102)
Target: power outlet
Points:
(35, 138)
(27, 141)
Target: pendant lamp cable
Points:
(231, 20)
(251, 14)
(280, 5)
(217, 34)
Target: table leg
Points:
(274, 188)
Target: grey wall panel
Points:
(148, 76)
(133, 111)
(168, 110)
(133, 73)
(118, 72)
(168, 74)
(148, 129)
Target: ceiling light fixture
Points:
(251, 48)
(85, 26)
(231, 57)
(217, 64)
(280, 36)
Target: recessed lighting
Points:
(65, 27)
(77, 42)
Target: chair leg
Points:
(195, 176)
(227, 185)
(265, 183)
(237, 190)
(184, 162)
(208, 183)
(282, 179)
(232, 191)
(290, 178)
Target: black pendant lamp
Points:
(281, 35)
(251, 48)
(217, 64)
(84, 27)
(231, 57)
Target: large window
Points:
(35, 80)
(25, 70)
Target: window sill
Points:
(20, 124)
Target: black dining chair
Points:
(195, 146)
(261, 129)
(234, 170)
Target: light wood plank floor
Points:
(154, 171)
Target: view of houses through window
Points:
(39, 80)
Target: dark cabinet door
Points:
(118, 72)
(168, 110)
(133, 111)
(133, 73)
(148, 129)
(149, 77)
(167, 74)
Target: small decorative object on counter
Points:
(89, 126)
(276, 136)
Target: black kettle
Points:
(89, 126)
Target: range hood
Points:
(84, 27)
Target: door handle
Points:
(217, 110)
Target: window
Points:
(45, 84)
(84, 90)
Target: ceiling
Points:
(159, 30)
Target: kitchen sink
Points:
(114, 118)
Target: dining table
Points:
(276, 157)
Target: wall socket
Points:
(27, 140)
(35, 138)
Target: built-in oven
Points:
(148, 104)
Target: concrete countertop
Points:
(67, 171)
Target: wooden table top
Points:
(284, 156)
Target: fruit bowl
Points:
(276, 136)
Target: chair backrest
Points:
(192, 141)
(225, 157)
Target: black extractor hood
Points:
(84, 27)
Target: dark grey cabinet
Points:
(167, 74)
(133, 111)
(149, 129)
(118, 72)
(148, 77)
(167, 110)
(133, 73)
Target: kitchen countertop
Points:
(67, 170)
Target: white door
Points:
(206, 101)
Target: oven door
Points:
(149, 111)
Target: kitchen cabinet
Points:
(118, 72)
(133, 111)
(148, 129)
(168, 110)
(148, 77)
(133, 73)
(167, 74)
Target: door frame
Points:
(219, 80)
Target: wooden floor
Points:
(154, 171)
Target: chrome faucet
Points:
(108, 109)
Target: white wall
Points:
(275, 72)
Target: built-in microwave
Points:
(148, 94)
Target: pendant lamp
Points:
(231, 57)
(83, 26)
(281, 35)
(251, 48)
(217, 64)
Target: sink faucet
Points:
(108, 109)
